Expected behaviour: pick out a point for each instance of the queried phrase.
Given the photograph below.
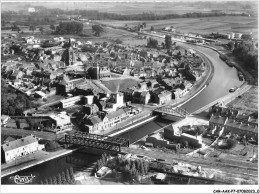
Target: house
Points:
(66, 85)
(97, 72)
(163, 97)
(40, 94)
(128, 94)
(153, 83)
(70, 101)
(93, 123)
(233, 125)
(142, 86)
(23, 147)
(175, 134)
(90, 109)
(145, 97)
(61, 123)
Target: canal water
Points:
(224, 78)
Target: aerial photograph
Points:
(130, 93)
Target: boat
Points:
(233, 89)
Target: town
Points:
(130, 103)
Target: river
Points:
(223, 79)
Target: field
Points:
(133, 7)
(117, 84)
(110, 33)
(243, 24)
(248, 101)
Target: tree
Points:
(41, 182)
(168, 42)
(163, 45)
(45, 182)
(52, 27)
(71, 173)
(17, 122)
(63, 178)
(97, 30)
(144, 24)
(152, 43)
(41, 30)
(142, 170)
(231, 45)
(32, 28)
(152, 28)
(186, 144)
(59, 179)
(68, 176)
(146, 166)
(54, 180)
(138, 164)
(50, 181)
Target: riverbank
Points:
(32, 160)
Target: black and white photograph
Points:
(129, 96)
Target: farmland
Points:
(243, 24)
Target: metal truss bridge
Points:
(172, 110)
(96, 141)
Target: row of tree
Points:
(167, 44)
(64, 178)
(71, 27)
(246, 52)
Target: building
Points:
(61, 122)
(175, 134)
(70, 101)
(128, 94)
(20, 148)
(230, 35)
(116, 101)
(97, 72)
(31, 9)
(90, 109)
(93, 123)
(238, 35)
(163, 98)
(40, 94)
(4, 120)
(66, 85)
(235, 125)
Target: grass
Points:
(248, 102)
(116, 85)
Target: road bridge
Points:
(96, 141)
(171, 110)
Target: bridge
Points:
(96, 141)
(171, 110)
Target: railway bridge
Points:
(96, 141)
